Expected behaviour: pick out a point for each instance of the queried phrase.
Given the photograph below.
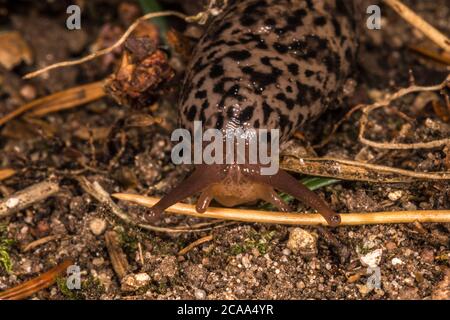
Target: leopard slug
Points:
(264, 64)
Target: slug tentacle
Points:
(283, 181)
(201, 178)
(273, 198)
(204, 200)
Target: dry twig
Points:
(26, 197)
(39, 242)
(118, 258)
(194, 244)
(441, 57)
(295, 218)
(385, 102)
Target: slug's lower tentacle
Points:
(283, 181)
(272, 197)
(202, 177)
(203, 201)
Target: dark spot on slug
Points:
(191, 113)
(246, 114)
(289, 102)
(239, 55)
(201, 94)
(320, 21)
(309, 73)
(267, 110)
(293, 68)
(216, 71)
(219, 121)
(280, 48)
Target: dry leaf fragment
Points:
(14, 50)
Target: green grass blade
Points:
(153, 6)
(312, 183)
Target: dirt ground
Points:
(243, 260)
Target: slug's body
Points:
(264, 64)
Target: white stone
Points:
(396, 261)
(133, 282)
(395, 195)
(200, 294)
(302, 242)
(372, 259)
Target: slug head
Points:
(236, 184)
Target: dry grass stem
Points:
(194, 244)
(420, 24)
(356, 171)
(65, 99)
(348, 219)
(6, 173)
(39, 242)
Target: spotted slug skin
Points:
(272, 64)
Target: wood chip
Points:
(118, 258)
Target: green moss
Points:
(362, 249)
(91, 288)
(128, 242)
(5, 246)
(69, 294)
(254, 240)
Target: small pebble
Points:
(391, 246)
(133, 282)
(28, 92)
(363, 289)
(246, 262)
(98, 261)
(302, 242)
(97, 226)
(300, 285)
(427, 255)
(200, 294)
(395, 195)
(396, 261)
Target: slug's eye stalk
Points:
(283, 181)
(200, 179)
